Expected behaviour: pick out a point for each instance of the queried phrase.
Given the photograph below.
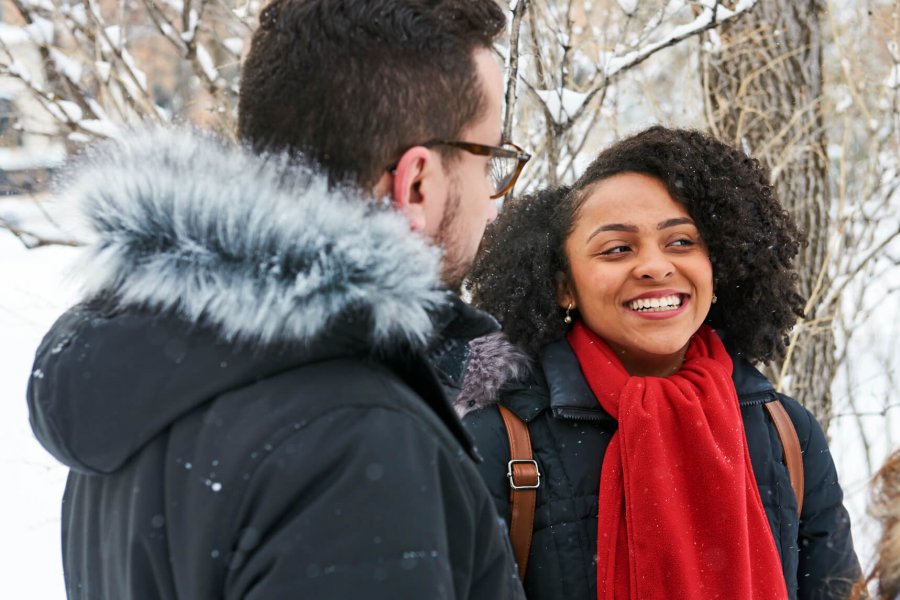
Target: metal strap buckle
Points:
(512, 481)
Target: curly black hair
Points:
(752, 242)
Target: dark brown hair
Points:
(350, 84)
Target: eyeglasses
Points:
(506, 163)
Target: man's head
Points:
(361, 87)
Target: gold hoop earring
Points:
(568, 319)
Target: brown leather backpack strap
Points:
(524, 480)
(790, 443)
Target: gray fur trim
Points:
(251, 245)
(493, 362)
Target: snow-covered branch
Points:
(615, 64)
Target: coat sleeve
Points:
(369, 503)
(828, 564)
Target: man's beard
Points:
(454, 267)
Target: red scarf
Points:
(679, 511)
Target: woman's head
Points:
(707, 223)
(639, 273)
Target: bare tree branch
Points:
(32, 240)
(512, 73)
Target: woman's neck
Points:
(651, 365)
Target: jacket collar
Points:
(462, 320)
(449, 352)
(569, 392)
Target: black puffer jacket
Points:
(245, 400)
(570, 432)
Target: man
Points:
(245, 397)
(358, 101)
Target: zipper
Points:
(570, 413)
(574, 413)
(757, 398)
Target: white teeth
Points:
(656, 304)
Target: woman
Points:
(641, 297)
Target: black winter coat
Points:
(570, 432)
(245, 402)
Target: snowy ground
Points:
(33, 294)
(36, 286)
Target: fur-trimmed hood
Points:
(261, 250)
(493, 362)
(210, 270)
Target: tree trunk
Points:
(764, 88)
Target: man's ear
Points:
(407, 190)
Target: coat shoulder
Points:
(803, 420)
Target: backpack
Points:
(525, 477)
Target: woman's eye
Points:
(683, 242)
(615, 250)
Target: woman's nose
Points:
(654, 264)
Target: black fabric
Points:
(202, 469)
(570, 432)
(449, 353)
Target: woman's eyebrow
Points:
(634, 229)
(676, 221)
(613, 227)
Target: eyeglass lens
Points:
(503, 168)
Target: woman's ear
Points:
(564, 296)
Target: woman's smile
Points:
(658, 305)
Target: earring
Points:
(568, 319)
(714, 299)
